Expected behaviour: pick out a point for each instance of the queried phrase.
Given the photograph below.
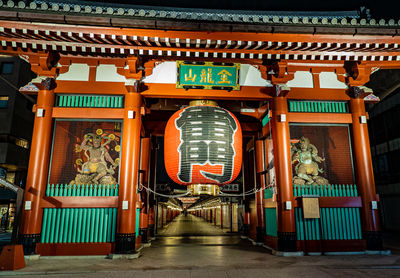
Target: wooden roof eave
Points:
(81, 40)
(43, 16)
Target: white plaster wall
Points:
(76, 72)
(302, 79)
(328, 80)
(251, 76)
(164, 73)
(108, 73)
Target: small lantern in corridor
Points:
(203, 145)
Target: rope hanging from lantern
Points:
(165, 195)
(250, 192)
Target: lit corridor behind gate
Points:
(191, 225)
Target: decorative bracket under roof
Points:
(277, 72)
(135, 69)
(358, 73)
(45, 64)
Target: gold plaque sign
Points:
(310, 208)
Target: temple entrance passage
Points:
(190, 240)
(190, 225)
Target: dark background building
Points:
(384, 130)
(16, 124)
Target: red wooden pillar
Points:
(365, 176)
(151, 221)
(215, 216)
(283, 169)
(260, 167)
(144, 167)
(38, 166)
(129, 172)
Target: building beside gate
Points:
(16, 119)
(110, 76)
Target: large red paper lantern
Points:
(203, 145)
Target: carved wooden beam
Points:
(359, 91)
(357, 73)
(45, 63)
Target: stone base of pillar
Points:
(287, 242)
(260, 234)
(373, 239)
(143, 234)
(29, 242)
(151, 230)
(125, 243)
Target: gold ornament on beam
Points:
(99, 131)
(117, 148)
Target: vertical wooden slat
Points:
(316, 221)
(357, 212)
(332, 215)
(45, 217)
(114, 224)
(351, 218)
(343, 215)
(68, 224)
(323, 215)
(58, 216)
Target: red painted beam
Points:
(79, 202)
(73, 249)
(342, 118)
(334, 202)
(88, 113)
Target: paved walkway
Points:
(218, 254)
(191, 226)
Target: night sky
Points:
(379, 8)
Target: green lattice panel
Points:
(315, 106)
(69, 225)
(335, 223)
(89, 101)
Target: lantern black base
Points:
(260, 234)
(151, 231)
(373, 239)
(246, 229)
(287, 242)
(143, 234)
(125, 243)
(29, 242)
